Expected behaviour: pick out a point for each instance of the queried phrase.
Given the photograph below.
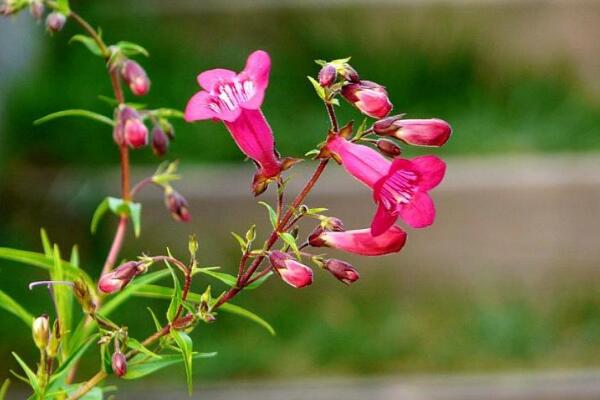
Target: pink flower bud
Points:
(119, 364)
(177, 205)
(119, 278)
(341, 270)
(418, 132)
(160, 142)
(36, 8)
(136, 133)
(55, 21)
(388, 148)
(291, 271)
(333, 224)
(135, 76)
(350, 73)
(369, 97)
(327, 75)
(361, 241)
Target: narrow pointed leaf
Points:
(31, 377)
(136, 345)
(75, 113)
(10, 305)
(140, 366)
(87, 42)
(4, 389)
(46, 244)
(184, 342)
(272, 213)
(98, 214)
(242, 312)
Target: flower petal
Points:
(419, 212)
(208, 79)
(254, 137)
(362, 242)
(257, 69)
(383, 220)
(197, 108)
(431, 169)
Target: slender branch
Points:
(141, 184)
(89, 385)
(117, 243)
(332, 118)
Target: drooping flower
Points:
(362, 241)
(341, 270)
(55, 21)
(291, 271)
(119, 278)
(135, 76)
(399, 187)
(418, 132)
(160, 141)
(119, 363)
(177, 206)
(236, 99)
(369, 97)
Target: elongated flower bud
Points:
(369, 97)
(120, 277)
(341, 270)
(388, 147)
(291, 271)
(119, 363)
(418, 132)
(160, 141)
(177, 205)
(361, 241)
(327, 75)
(55, 21)
(83, 296)
(135, 76)
(41, 331)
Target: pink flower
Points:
(135, 76)
(369, 97)
(419, 132)
(399, 187)
(119, 278)
(291, 271)
(362, 241)
(235, 99)
(341, 270)
(136, 133)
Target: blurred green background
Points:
(501, 74)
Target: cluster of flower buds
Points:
(130, 128)
(46, 339)
(290, 270)
(117, 279)
(416, 132)
(135, 77)
(333, 71)
(177, 205)
(118, 363)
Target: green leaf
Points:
(227, 279)
(4, 389)
(136, 345)
(31, 377)
(94, 394)
(313, 211)
(10, 305)
(75, 113)
(291, 241)
(259, 281)
(136, 217)
(157, 323)
(176, 296)
(58, 377)
(47, 246)
(318, 88)
(272, 213)
(88, 42)
(241, 241)
(131, 49)
(74, 260)
(313, 152)
(140, 366)
(98, 214)
(63, 6)
(63, 297)
(167, 113)
(242, 312)
(184, 342)
(160, 292)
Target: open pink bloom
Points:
(399, 187)
(362, 241)
(235, 99)
(418, 132)
(291, 271)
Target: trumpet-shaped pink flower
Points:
(236, 99)
(418, 132)
(399, 187)
(291, 271)
(362, 241)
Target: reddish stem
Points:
(117, 243)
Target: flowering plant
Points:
(370, 153)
